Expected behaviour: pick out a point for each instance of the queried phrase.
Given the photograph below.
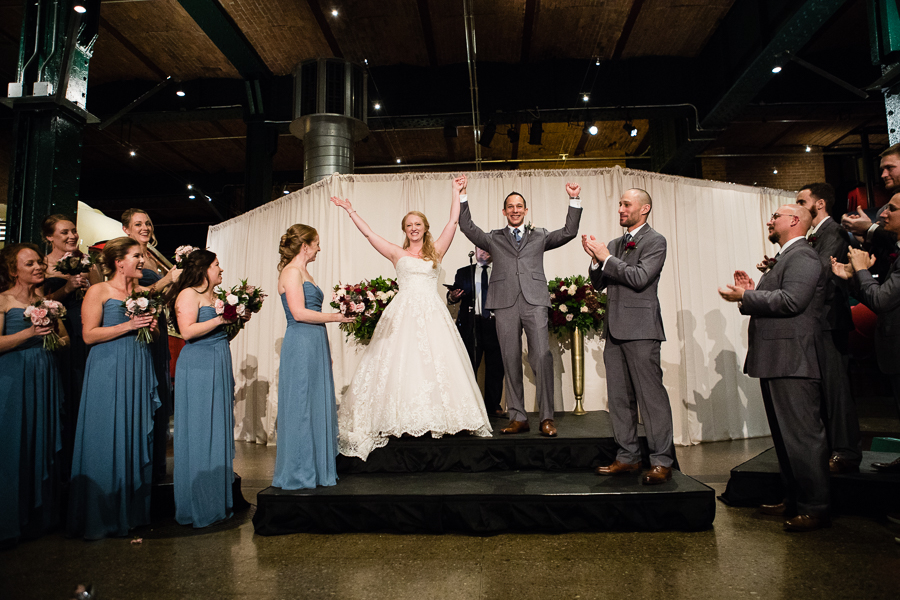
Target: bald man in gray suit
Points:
(785, 351)
(629, 270)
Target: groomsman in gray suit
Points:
(784, 352)
(829, 240)
(519, 299)
(629, 269)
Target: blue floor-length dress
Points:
(159, 349)
(204, 428)
(307, 410)
(112, 461)
(30, 435)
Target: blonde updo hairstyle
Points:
(428, 249)
(292, 242)
(9, 263)
(128, 215)
(115, 249)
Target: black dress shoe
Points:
(891, 467)
(841, 466)
(806, 523)
(775, 510)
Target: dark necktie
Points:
(518, 235)
(628, 238)
(484, 288)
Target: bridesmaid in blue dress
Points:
(137, 225)
(59, 231)
(111, 465)
(30, 398)
(204, 398)
(307, 409)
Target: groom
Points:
(518, 297)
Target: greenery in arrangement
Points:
(365, 301)
(574, 304)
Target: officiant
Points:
(478, 328)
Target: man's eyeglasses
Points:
(776, 215)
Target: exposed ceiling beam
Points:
(427, 31)
(627, 28)
(790, 37)
(325, 28)
(219, 27)
(531, 10)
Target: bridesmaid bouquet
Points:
(574, 304)
(45, 313)
(140, 304)
(75, 263)
(181, 252)
(365, 301)
(237, 304)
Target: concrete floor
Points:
(745, 555)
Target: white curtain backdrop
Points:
(712, 229)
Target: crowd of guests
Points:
(92, 418)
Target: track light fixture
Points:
(487, 134)
(781, 59)
(513, 135)
(631, 129)
(534, 135)
(180, 93)
(585, 97)
(590, 128)
(80, 9)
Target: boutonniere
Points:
(893, 256)
(630, 245)
(812, 240)
(529, 227)
(766, 264)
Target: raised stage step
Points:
(869, 492)
(487, 503)
(584, 442)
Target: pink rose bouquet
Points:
(365, 301)
(47, 313)
(237, 304)
(140, 304)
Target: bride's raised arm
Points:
(390, 251)
(442, 244)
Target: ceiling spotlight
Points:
(776, 69)
(585, 97)
(590, 128)
(208, 199)
(180, 93)
(398, 161)
(597, 61)
(487, 134)
(133, 153)
(80, 9)
(286, 192)
(780, 60)
(537, 130)
(377, 106)
(631, 129)
(190, 186)
(191, 197)
(809, 148)
(365, 61)
(774, 171)
(334, 12)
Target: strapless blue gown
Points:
(159, 349)
(112, 464)
(307, 410)
(204, 428)
(30, 401)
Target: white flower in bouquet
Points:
(28, 312)
(241, 309)
(130, 304)
(220, 305)
(572, 289)
(584, 309)
(552, 296)
(142, 303)
(563, 308)
(250, 289)
(231, 299)
(569, 317)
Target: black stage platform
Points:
(869, 492)
(466, 484)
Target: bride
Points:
(415, 376)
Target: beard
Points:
(813, 211)
(774, 237)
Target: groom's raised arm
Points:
(470, 229)
(563, 236)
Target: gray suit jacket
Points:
(518, 269)
(631, 279)
(883, 300)
(785, 316)
(831, 240)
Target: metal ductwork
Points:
(330, 113)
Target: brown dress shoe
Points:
(548, 428)
(618, 468)
(841, 465)
(775, 510)
(516, 427)
(806, 523)
(657, 475)
(891, 467)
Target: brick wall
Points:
(794, 171)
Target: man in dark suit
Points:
(520, 299)
(478, 327)
(784, 352)
(829, 241)
(629, 270)
(884, 300)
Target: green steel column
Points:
(49, 113)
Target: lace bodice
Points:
(418, 275)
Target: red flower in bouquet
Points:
(365, 302)
(574, 304)
(238, 304)
(47, 313)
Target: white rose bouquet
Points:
(139, 304)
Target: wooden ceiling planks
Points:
(162, 31)
(675, 27)
(387, 32)
(576, 29)
(283, 32)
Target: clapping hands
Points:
(735, 293)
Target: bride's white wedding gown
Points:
(415, 376)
